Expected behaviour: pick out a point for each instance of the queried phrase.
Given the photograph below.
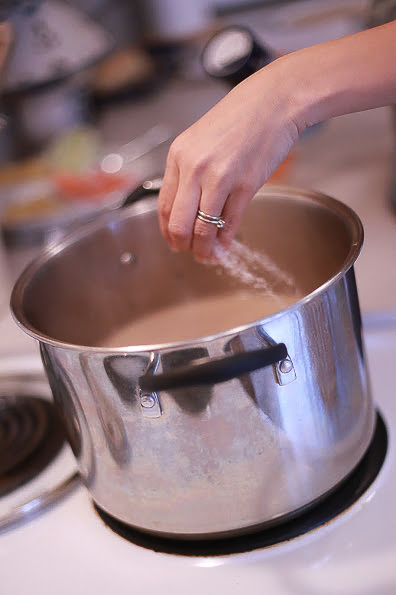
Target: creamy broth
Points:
(197, 318)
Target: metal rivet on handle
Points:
(150, 405)
(285, 366)
(147, 401)
(285, 372)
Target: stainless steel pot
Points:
(251, 439)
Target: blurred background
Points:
(94, 91)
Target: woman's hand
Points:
(219, 163)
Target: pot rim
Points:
(149, 204)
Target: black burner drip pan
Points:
(346, 494)
(31, 435)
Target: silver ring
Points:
(218, 221)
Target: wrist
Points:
(305, 91)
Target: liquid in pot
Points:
(197, 318)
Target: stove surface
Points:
(31, 436)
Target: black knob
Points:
(233, 54)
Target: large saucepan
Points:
(170, 440)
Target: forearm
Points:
(350, 74)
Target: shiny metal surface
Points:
(35, 506)
(221, 458)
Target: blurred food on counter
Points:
(93, 185)
(24, 170)
(75, 150)
(29, 202)
(73, 180)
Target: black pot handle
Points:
(148, 188)
(214, 371)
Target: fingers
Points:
(232, 214)
(167, 195)
(180, 198)
(184, 211)
(204, 234)
(209, 180)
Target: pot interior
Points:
(119, 268)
